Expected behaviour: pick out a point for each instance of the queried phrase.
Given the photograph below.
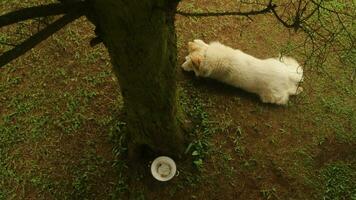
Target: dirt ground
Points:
(60, 116)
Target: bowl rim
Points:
(166, 160)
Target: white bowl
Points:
(163, 168)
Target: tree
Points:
(141, 40)
(142, 48)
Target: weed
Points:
(98, 78)
(237, 135)
(202, 132)
(72, 118)
(250, 164)
(339, 181)
(117, 134)
(92, 57)
(87, 95)
(269, 193)
(200, 149)
(304, 156)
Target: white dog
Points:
(273, 79)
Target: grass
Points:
(269, 193)
(61, 126)
(339, 181)
(201, 133)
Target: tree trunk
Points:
(141, 40)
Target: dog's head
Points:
(197, 46)
(193, 62)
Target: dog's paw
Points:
(299, 90)
(278, 99)
(187, 65)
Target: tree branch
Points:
(268, 9)
(281, 20)
(330, 10)
(37, 38)
(41, 11)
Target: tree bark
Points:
(141, 40)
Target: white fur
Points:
(273, 79)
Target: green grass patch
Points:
(339, 181)
(202, 129)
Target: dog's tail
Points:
(293, 67)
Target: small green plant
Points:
(200, 150)
(339, 181)
(237, 144)
(269, 193)
(202, 131)
(117, 136)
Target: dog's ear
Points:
(196, 60)
(201, 42)
(192, 47)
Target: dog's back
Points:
(276, 78)
(273, 79)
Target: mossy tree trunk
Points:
(141, 40)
